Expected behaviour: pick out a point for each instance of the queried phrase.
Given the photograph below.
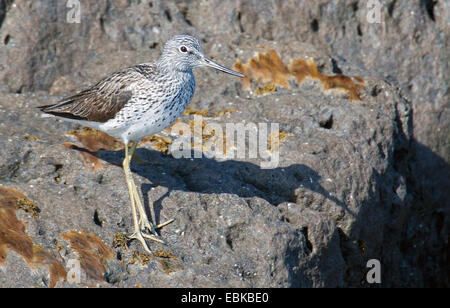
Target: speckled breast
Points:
(163, 109)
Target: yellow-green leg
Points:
(143, 223)
(137, 232)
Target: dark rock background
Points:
(373, 185)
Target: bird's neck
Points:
(167, 65)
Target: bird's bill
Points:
(221, 68)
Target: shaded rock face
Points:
(357, 179)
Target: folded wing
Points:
(100, 102)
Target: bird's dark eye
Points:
(183, 49)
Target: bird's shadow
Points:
(209, 176)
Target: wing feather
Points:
(102, 101)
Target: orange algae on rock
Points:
(13, 236)
(92, 252)
(268, 70)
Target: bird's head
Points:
(184, 53)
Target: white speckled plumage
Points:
(149, 111)
(140, 100)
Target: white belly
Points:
(145, 121)
(150, 111)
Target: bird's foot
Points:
(141, 236)
(138, 235)
(145, 224)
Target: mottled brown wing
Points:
(100, 102)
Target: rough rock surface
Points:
(353, 182)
